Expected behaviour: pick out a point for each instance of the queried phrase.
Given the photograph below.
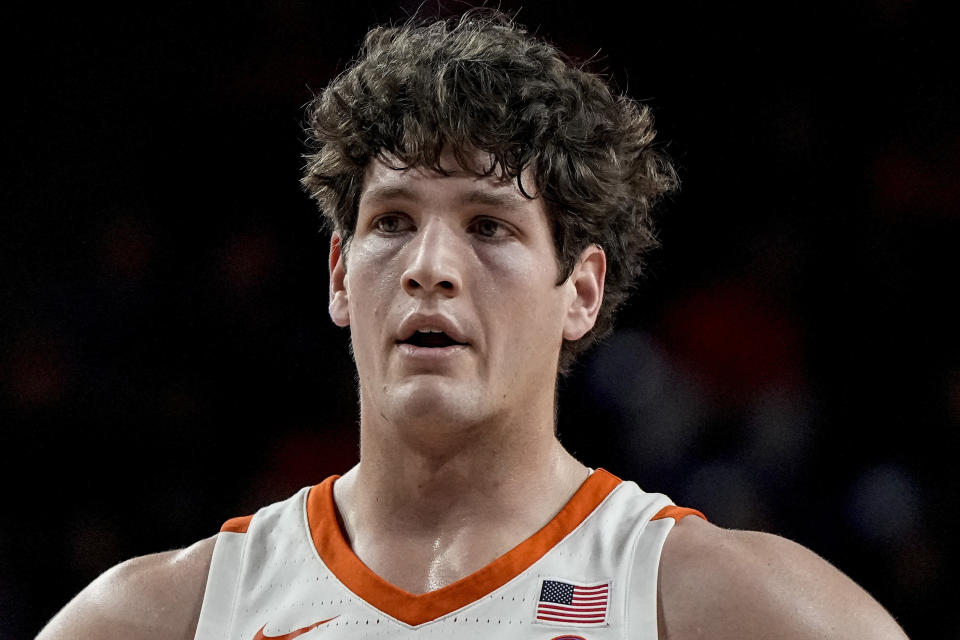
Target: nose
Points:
(433, 267)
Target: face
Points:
(449, 289)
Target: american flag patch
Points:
(576, 604)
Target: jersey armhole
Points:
(237, 525)
(677, 513)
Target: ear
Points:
(587, 284)
(339, 309)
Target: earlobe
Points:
(339, 309)
(587, 280)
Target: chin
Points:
(436, 404)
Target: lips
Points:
(431, 331)
(431, 339)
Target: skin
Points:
(475, 254)
(479, 254)
(152, 597)
(718, 583)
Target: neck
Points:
(484, 465)
(428, 488)
(474, 492)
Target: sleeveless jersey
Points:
(589, 574)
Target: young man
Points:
(490, 205)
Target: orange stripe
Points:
(416, 609)
(237, 525)
(677, 513)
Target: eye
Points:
(392, 223)
(488, 228)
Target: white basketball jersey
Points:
(589, 574)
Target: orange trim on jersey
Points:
(237, 525)
(416, 609)
(677, 513)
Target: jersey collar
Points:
(414, 609)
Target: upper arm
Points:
(716, 583)
(146, 598)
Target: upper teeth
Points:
(430, 330)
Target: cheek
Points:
(518, 266)
(522, 288)
(370, 283)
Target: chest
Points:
(596, 581)
(424, 565)
(570, 597)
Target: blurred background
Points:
(791, 363)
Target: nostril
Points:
(423, 286)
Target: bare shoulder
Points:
(146, 598)
(719, 583)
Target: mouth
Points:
(431, 339)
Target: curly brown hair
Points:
(481, 82)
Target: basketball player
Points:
(489, 205)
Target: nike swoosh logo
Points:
(293, 634)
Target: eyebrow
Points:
(381, 193)
(500, 199)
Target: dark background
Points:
(790, 365)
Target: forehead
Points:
(388, 180)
